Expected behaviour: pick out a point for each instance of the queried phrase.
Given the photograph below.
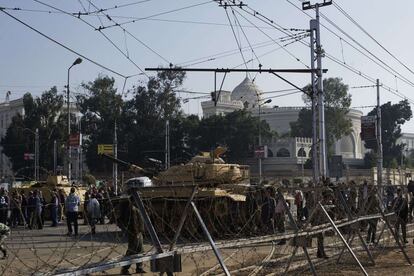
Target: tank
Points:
(225, 198)
(58, 182)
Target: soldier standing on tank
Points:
(4, 233)
(129, 220)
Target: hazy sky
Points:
(196, 31)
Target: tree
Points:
(393, 117)
(238, 131)
(43, 113)
(146, 115)
(337, 104)
(101, 107)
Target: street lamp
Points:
(260, 137)
(76, 62)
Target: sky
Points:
(201, 34)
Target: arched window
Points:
(283, 152)
(269, 153)
(301, 152)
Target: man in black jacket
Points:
(401, 210)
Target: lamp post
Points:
(77, 61)
(260, 137)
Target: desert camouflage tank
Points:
(224, 197)
(53, 182)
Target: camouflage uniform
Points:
(373, 208)
(130, 220)
(4, 232)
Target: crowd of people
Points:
(32, 209)
(341, 200)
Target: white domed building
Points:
(294, 150)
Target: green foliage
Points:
(337, 103)
(146, 114)
(44, 113)
(101, 107)
(393, 116)
(238, 131)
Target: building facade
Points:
(8, 110)
(248, 95)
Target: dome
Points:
(247, 92)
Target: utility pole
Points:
(317, 84)
(54, 157)
(167, 144)
(37, 154)
(379, 142)
(80, 167)
(77, 61)
(115, 165)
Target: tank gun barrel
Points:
(131, 167)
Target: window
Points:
(283, 152)
(301, 152)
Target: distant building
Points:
(408, 140)
(8, 110)
(247, 95)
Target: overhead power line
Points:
(113, 8)
(129, 33)
(153, 15)
(93, 27)
(135, 18)
(62, 45)
(270, 22)
(370, 36)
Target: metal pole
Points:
(379, 143)
(69, 147)
(296, 228)
(167, 144)
(115, 165)
(343, 240)
(147, 222)
(183, 218)
(260, 144)
(54, 157)
(321, 99)
(80, 158)
(210, 239)
(37, 155)
(315, 160)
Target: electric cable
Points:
(61, 44)
(129, 33)
(370, 36)
(150, 16)
(103, 34)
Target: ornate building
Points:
(287, 150)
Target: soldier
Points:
(401, 210)
(280, 215)
(372, 209)
(268, 211)
(319, 218)
(4, 232)
(129, 220)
